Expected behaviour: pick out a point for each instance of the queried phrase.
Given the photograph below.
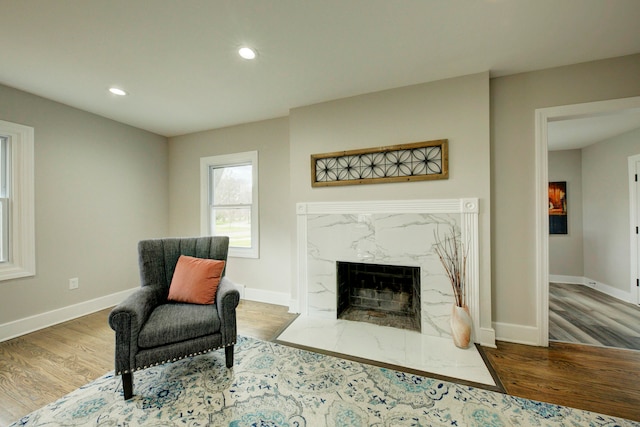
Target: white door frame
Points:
(542, 117)
(634, 292)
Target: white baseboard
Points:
(609, 290)
(598, 286)
(241, 289)
(36, 322)
(294, 306)
(572, 280)
(518, 334)
(269, 297)
(487, 337)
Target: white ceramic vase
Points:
(461, 326)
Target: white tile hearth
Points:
(400, 347)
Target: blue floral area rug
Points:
(275, 385)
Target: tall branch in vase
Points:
(453, 256)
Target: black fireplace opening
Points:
(386, 295)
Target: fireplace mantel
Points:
(389, 231)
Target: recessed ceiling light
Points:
(247, 53)
(116, 91)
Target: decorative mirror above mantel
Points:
(416, 161)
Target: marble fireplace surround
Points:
(384, 232)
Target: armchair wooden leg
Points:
(228, 352)
(127, 385)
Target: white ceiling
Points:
(584, 131)
(178, 59)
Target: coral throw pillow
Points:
(195, 280)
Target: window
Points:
(229, 201)
(17, 230)
(4, 199)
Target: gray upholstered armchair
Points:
(150, 330)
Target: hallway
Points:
(579, 314)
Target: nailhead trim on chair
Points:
(176, 359)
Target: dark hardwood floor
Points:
(582, 315)
(598, 379)
(40, 367)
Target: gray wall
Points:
(514, 100)
(100, 186)
(565, 250)
(456, 109)
(606, 209)
(597, 246)
(271, 272)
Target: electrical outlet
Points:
(73, 283)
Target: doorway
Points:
(543, 117)
(634, 214)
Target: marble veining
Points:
(389, 345)
(381, 238)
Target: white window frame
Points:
(21, 260)
(5, 167)
(226, 160)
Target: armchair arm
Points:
(227, 299)
(127, 318)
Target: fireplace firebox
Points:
(386, 295)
